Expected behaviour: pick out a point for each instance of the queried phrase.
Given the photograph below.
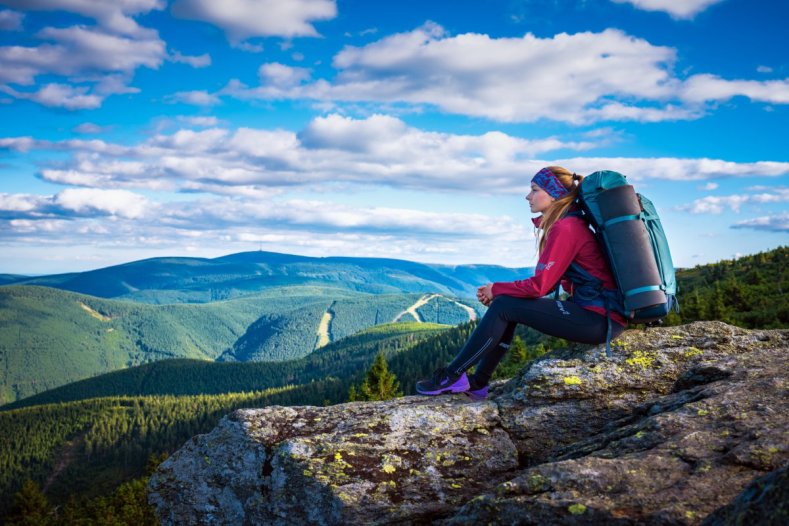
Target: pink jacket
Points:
(570, 239)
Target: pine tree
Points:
(380, 383)
(31, 507)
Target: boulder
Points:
(669, 431)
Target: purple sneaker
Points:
(441, 382)
(475, 392)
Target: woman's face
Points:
(538, 199)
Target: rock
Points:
(669, 430)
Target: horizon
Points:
(90, 269)
(392, 130)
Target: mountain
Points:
(51, 337)
(199, 280)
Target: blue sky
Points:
(141, 128)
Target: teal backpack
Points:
(629, 231)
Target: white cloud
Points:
(567, 77)
(198, 61)
(297, 226)
(674, 169)
(197, 98)
(680, 9)
(90, 128)
(205, 122)
(61, 96)
(10, 20)
(95, 61)
(770, 223)
(115, 15)
(282, 76)
(332, 150)
(242, 19)
(709, 186)
(764, 69)
(73, 203)
(700, 88)
(717, 204)
(105, 202)
(578, 78)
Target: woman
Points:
(568, 253)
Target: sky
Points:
(401, 129)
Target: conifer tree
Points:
(380, 383)
(31, 507)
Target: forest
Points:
(88, 458)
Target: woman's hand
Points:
(485, 294)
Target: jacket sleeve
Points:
(560, 249)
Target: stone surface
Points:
(672, 428)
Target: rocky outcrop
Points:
(669, 431)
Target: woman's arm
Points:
(561, 247)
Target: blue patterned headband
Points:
(548, 181)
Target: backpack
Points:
(629, 231)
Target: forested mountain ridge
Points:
(750, 291)
(201, 280)
(50, 337)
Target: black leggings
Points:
(493, 335)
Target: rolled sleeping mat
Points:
(631, 252)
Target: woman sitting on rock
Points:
(564, 239)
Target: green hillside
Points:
(341, 359)
(50, 337)
(108, 440)
(200, 280)
(751, 291)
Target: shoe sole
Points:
(450, 390)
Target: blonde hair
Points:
(559, 207)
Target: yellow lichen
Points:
(641, 359)
(702, 412)
(337, 456)
(388, 468)
(690, 515)
(576, 509)
(572, 380)
(456, 486)
(307, 473)
(693, 351)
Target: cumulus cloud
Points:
(10, 20)
(94, 61)
(312, 227)
(679, 9)
(717, 204)
(243, 19)
(198, 61)
(699, 88)
(578, 78)
(115, 16)
(73, 203)
(332, 150)
(675, 169)
(197, 98)
(770, 223)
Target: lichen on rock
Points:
(645, 437)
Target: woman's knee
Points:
(501, 304)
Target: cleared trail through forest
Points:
(412, 309)
(324, 328)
